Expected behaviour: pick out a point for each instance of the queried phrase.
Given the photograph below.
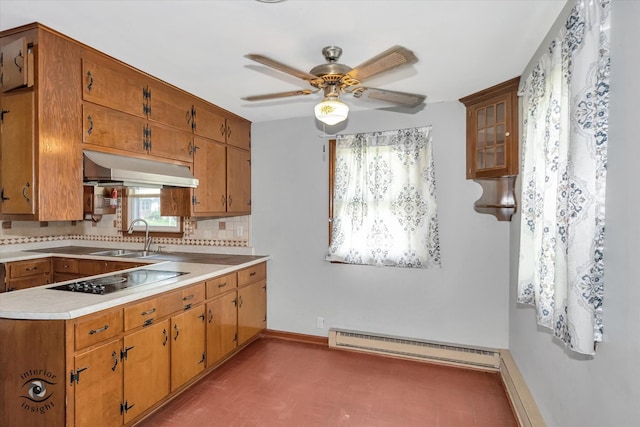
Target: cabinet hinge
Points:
(3, 112)
(194, 200)
(125, 353)
(74, 377)
(124, 407)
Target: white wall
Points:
(466, 301)
(604, 390)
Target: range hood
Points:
(134, 172)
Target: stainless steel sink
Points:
(125, 253)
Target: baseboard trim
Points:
(292, 336)
(524, 406)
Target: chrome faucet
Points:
(147, 239)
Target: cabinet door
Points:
(252, 310)
(170, 106)
(28, 282)
(222, 327)
(146, 368)
(209, 166)
(17, 184)
(187, 346)
(170, 143)
(108, 128)
(16, 67)
(98, 390)
(113, 85)
(238, 181)
(239, 133)
(209, 123)
(493, 134)
(89, 267)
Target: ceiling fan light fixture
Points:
(331, 111)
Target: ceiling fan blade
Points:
(385, 61)
(279, 95)
(281, 67)
(404, 98)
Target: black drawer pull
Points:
(97, 331)
(222, 285)
(148, 312)
(188, 298)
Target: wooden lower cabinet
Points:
(146, 365)
(27, 274)
(188, 349)
(112, 367)
(222, 327)
(252, 310)
(98, 388)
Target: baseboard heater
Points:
(472, 357)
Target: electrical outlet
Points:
(239, 231)
(320, 322)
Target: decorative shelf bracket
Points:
(498, 197)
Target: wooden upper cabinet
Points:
(492, 131)
(16, 65)
(239, 133)
(169, 143)
(238, 181)
(17, 157)
(210, 167)
(169, 106)
(220, 126)
(209, 122)
(40, 133)
(109, 128)
(113, 85)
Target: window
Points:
(144, 203)
(383, 205)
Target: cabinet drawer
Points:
(28, 282)
(221, 284)
(65, 265)
(141, 314)
(181, 300)
(95, 328)
(252, 274)
(28, 268)
(88, 267)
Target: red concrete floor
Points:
(275, 382)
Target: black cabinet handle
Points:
(97, 331)
(90, 79)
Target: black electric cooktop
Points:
(119, 281)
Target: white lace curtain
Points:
(385, 200)
(565, 107)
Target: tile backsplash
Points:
(223, 232)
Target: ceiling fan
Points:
(334, 78)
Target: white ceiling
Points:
(462, 45)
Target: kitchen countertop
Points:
(42, 303)
(205, 258)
